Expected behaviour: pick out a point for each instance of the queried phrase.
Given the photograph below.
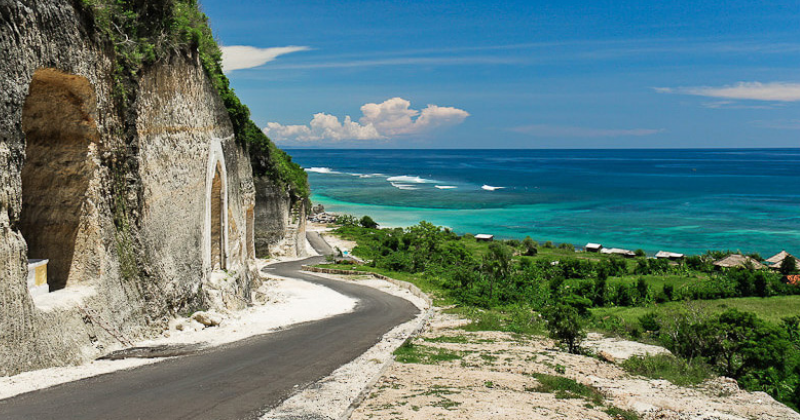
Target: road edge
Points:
(324, 399)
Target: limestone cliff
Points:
(135, 190)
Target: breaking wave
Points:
(321, 170)
(406, 178)
(491, 188)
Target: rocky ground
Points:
(453, 374)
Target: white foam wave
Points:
(445, 187)
(406, 178)
(404, 186)
(366, 175)
(321, 170)
(491, 188)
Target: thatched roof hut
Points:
(738, 260)
(776, 260)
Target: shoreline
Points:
(579, 247)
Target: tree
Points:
(530, 246)
(368, 223)
(498, 264)
(738, 343)
(788, 266)
(566, 325)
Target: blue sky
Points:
(516, 74)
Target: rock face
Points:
(134, 205)
(280, 222)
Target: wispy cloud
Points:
(390, 119)
(755, 91)
(401, 61)
(544, 130)
(238, 57)
(537, 53)
(738, 105)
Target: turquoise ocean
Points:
(675, 200)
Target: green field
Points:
(771, 309)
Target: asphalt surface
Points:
(238, 381)
(319, 244)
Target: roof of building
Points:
(593, 246)
(738, 260)
(618, 251)
(778, 258)
(666, 254)
(484, 236)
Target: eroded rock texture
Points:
(120, 200)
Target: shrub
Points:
(665, 366)
(566, 325)
(669, 292)
(649, 322)
(368, 223)
(788, 266)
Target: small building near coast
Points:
(776, 260)
(482, 237)
(738, 261)
(592, 247)
(672, 256)
(618, 251)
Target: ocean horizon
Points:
(679, 200)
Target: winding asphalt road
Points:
(236, 381)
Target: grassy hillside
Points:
(741, 323)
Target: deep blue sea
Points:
(675, 200)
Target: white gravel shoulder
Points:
(336, 396)
(281, 303)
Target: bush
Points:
(665, 366)
(548, 245)
(649, 322)
(788, 266)
(368, 223)
(567, 326)
(568, 247)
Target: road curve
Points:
(241, 380)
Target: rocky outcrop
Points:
(280, 222)
(116, 194)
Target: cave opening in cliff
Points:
(217, 220)
(59, 129)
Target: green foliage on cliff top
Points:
(143, 32)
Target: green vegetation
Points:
(727, 322)
(411, 353)
(788, 266)
(565, 388)
(671, 368)
(144, 32)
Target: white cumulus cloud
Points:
(238, 57)
(391, 118)
(756, 91)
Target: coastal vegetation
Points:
(742, 323)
